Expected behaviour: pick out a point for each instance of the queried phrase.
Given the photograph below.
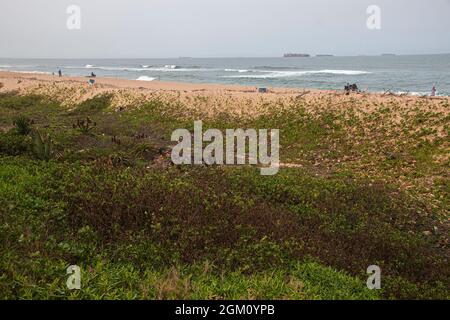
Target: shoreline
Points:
(186, 86)
(154, 85)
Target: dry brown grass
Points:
(172, 286)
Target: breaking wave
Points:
(146, 78)
(165, 68)
(237, 70)
(285, 74)
(33, 72)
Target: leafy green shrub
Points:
(400, 288)
(353, 224)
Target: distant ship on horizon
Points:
(296, 55)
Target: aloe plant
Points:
(42, 147)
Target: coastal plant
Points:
(85, 126)
(143, 148)
(23, 125)
(11, 100)
(42, 146)
(118, 160)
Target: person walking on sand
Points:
(60, 73)
(433, 91)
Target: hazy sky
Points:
(220, 28)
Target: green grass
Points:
(103, 280)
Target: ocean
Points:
(414, 74)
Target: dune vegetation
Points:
(363, 182)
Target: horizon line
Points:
(231, 57)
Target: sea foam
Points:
(145, 78)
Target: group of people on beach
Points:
(354, 88)
(351, 88)
(93, 75)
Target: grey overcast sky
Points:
(220, 28)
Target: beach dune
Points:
(206, 100)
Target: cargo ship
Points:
(296, 55)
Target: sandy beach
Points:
(206, 100)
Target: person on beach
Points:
(60, 73)
(347, 89)
(433, 91)
(93, 75)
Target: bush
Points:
(11, 100)
(13, 145)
